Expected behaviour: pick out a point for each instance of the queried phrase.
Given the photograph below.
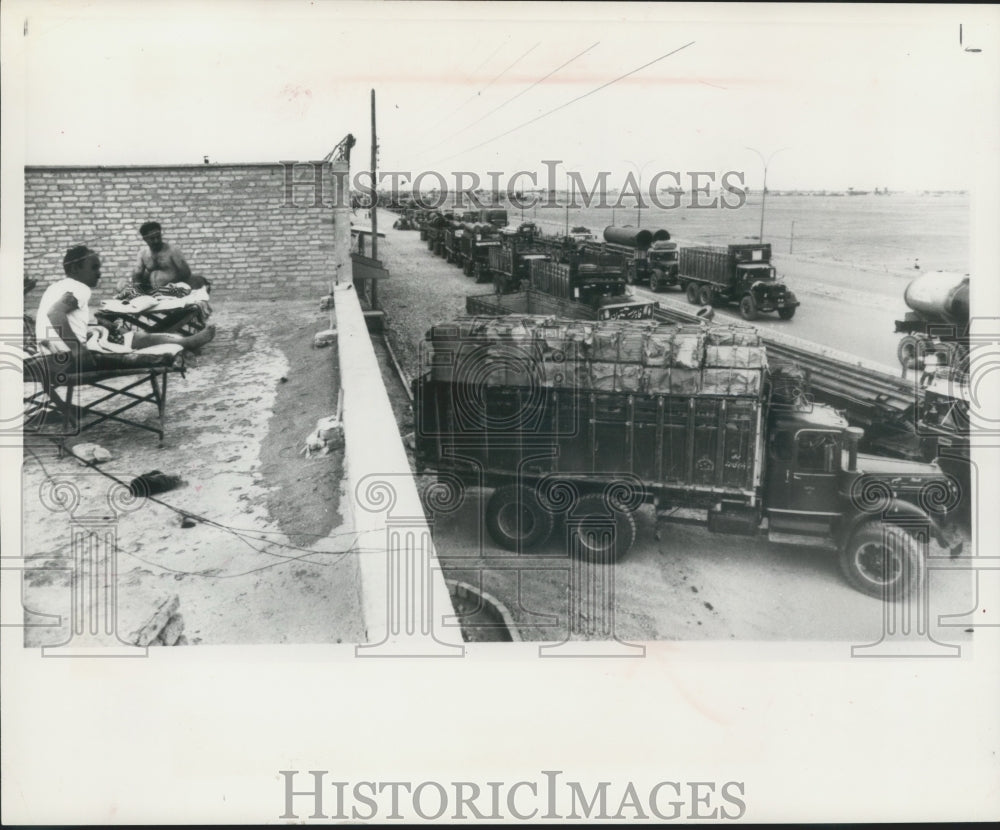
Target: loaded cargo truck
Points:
(648, 257)
(531, 301)
(743, 274)
(589, 421)
(497, 217)
(509, 263)
(597, 285)
(475, 247)
(936, 327)
(453, 233)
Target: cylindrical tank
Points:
(633, 237)
(940, 297)
(661, 235)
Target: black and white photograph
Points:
(499, 412)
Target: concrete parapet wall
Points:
(403, 592)
(265, 231)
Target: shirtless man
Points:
(64, 313)
(160, 263)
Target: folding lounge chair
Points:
(46, 374)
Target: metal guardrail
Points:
(869, 396)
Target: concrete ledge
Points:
(404, 597)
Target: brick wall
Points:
(232, 223)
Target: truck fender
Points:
(896, 512)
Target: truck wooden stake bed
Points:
(594, 419)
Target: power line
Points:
(476, 95)
(431, 123)
(517, 95)
(570, 102)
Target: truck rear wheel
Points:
(692, 293)
(907, 351)
(786, 313)
(706, 295)
(599, 532)
(748, 307)
(515, 518)
(883, 561)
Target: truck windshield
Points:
(817, 452)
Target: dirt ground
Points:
(267, 556)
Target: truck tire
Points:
(786, 313)
(706, 296)
(692, 293)
(883, 561)
(908, 351)
(748, 307)
(515, 518)
(590, 520)
(658, 281)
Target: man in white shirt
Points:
(64, 314)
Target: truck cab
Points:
(663, 262)
(873, 508)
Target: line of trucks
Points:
(576, 404)
(485, 247)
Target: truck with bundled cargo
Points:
(510, 261)
(588, 421)
(452, 241)
(495, 216)
(937, 326)
(742, 274)
(597, 285)
(475, 247)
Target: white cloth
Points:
(155, 302)
(48, 338)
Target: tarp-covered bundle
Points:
(612, 356)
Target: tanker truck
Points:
(936, 327)
(588, 421)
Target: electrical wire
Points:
(567, 103)
(509, 100)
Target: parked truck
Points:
(741, 274)
(475, 247)
(936, 327)
(589, 421)
(509, 262)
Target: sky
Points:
(837, 96)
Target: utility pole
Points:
(567, 206)
(374, 293)
(791, 238)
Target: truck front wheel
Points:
(692, 293)
(882, 561)
(748, 307)
(515, 518)
(786, 313)
(599, 532)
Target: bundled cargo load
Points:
(611, 356)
